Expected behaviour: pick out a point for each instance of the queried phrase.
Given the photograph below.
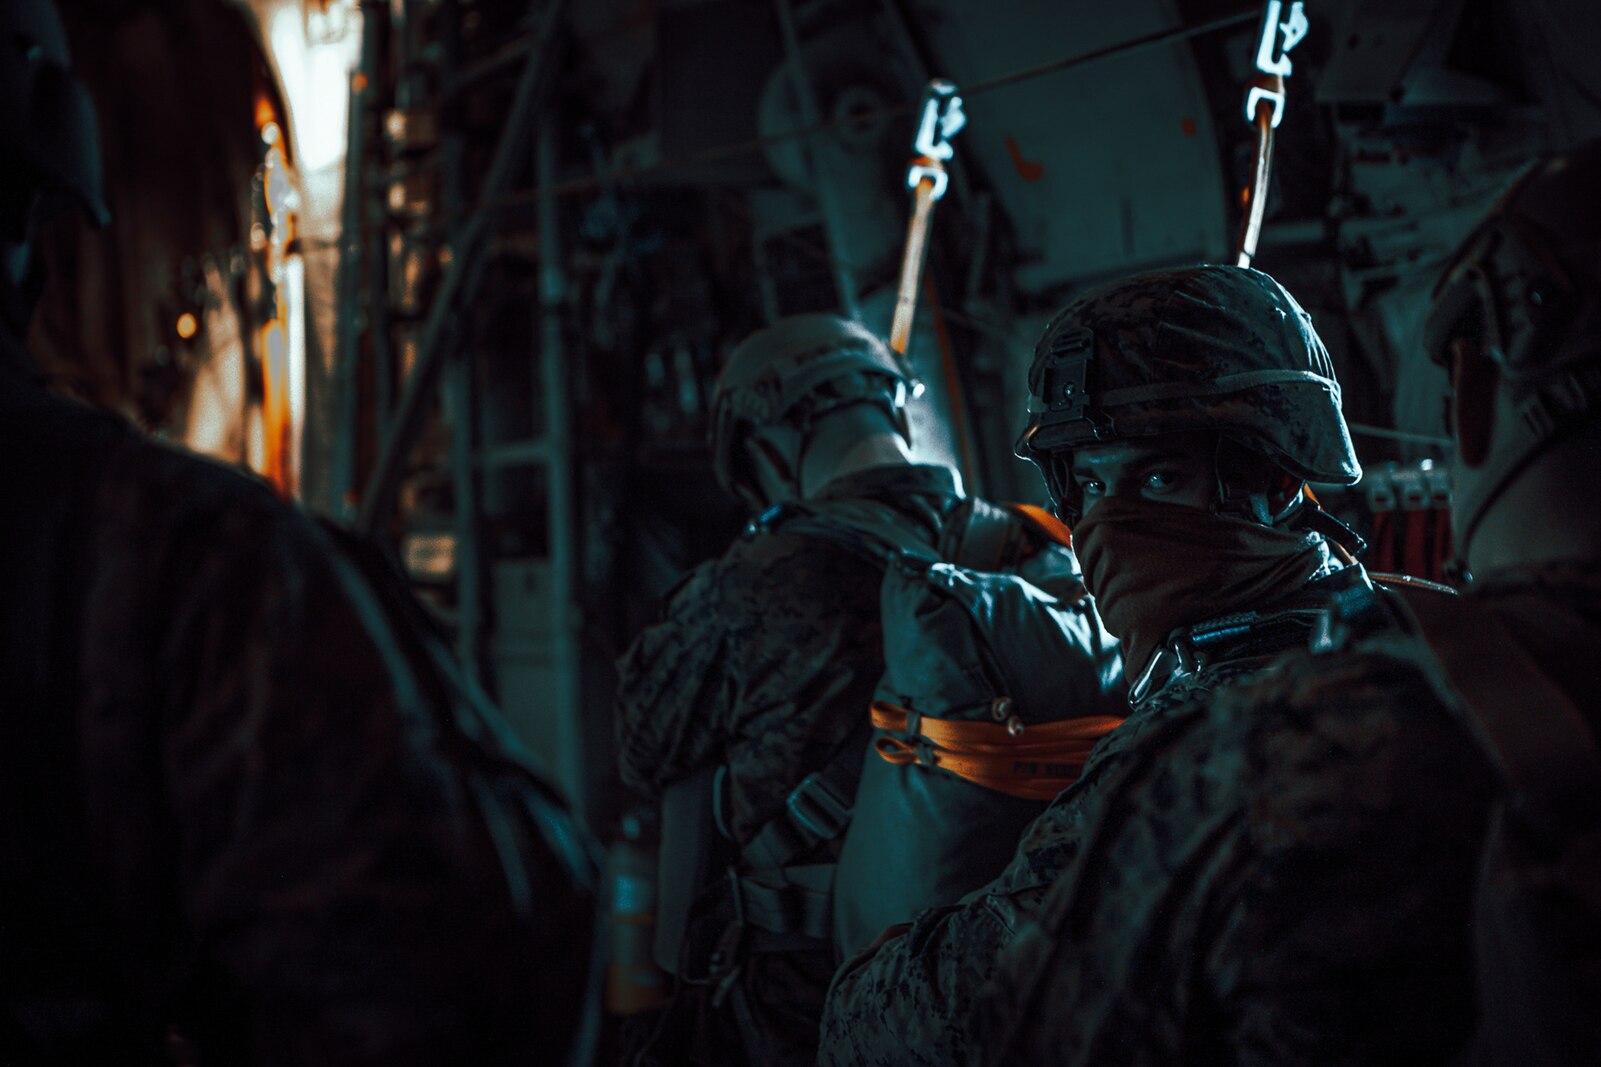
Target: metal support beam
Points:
(820, 148)
(562, 504)
(533, 89)
(347, 351)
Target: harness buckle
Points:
(815, 808)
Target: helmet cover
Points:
(1218, 348)
(793, 372)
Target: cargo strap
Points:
(1032, 761)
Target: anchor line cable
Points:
(734, 149)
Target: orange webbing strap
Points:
(1035, 762)
(1048, 524)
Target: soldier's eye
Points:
(1090, 486)
(1161, 480)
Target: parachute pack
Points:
(995, 689)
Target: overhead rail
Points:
(461, 275)
(735, 149)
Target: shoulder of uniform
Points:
(1387, 669)
(190, 483)
(820, 532)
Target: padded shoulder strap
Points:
(1535, 730)
(991, 538)
(867, 528)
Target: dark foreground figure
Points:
(1310, 899)
(249, 814)
(1249, 870)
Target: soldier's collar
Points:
(1246, 637)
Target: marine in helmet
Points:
(1217, 886)
(250, 814)
(755, 685)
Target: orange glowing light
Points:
(188, 325)
(266, 114)
(275, 408)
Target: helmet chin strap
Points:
(1242, 474)
(779, 462)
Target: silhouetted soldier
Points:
(249, 814)
(748, 704)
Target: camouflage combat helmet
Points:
(792, 372)
(1526, 286)
(1217, 348)
(49, 140)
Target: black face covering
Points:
(1154, 567)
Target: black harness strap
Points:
(773, 893)
(817, 810)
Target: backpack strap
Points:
(817, 810)
(873, 531)
(989, 537)
(770, 892)
(1534, 730)
(782, 903)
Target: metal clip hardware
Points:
(942, 119)
(1273, 55)
(1065, 388)
(1279, 38)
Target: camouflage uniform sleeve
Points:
(364, 874)
(907, 1001)
(674, 686)
(912, 1000)
(1365, 810)
(1287, 881)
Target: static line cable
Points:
(735, 149)
(1264, 109)
(1406, 436)
(941, 120)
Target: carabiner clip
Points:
(942, 119)
(1273, 57)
